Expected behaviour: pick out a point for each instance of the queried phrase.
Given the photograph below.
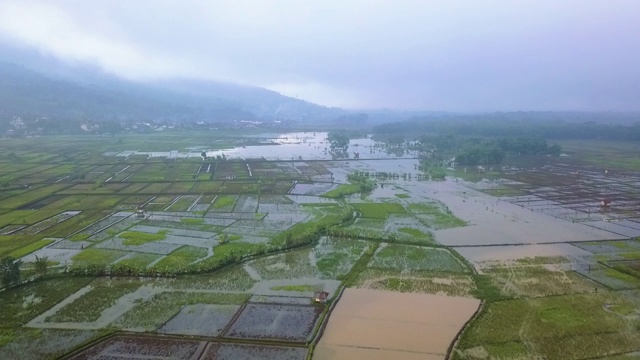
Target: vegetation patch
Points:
(139, 238)
(372, 211)
(89, 306)
(97, 257)
(30, 248)
(425, 282)
(193, 221)
(556, 327)
(181, 258)
(436, 215)
(342, 190)
(408, 258)
(537, 281)
(22, 304)
(138, 261)
(297, 288)
(152, 314)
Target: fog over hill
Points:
(86, 94)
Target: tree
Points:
(223, 239)
(41, 265)
(10, 271)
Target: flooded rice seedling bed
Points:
(436, 215)
(37, 344)
(173, 231)
(611, 278)
(335, 257)
(224, 351)
(246, 203)
(181, 188)
(102, 294)
(45, 224)
(288, 265)
(6, 230)
(284, 300)
(408, 257)
(104, 223)
(207, 187)
(26, 302)
(182, 203)
(111, 230)
(539, 281)
(138, 261)
(122, 346)
(274, 200)
(154, 313)
(276, 322)
(178, 222)
(182, 258)
(150, 247)
(234, 278)
(191, 241)
(200, 319)
(600, 247)
(416, 282)
(96, 256)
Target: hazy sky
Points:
(475, 55)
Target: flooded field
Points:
(289, 146)
(243, 251)
(370, 324)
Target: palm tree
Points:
(41, 265)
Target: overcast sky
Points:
(475, 55)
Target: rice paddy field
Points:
(157, 252)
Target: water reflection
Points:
(287, 146)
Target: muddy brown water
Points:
(372, 324)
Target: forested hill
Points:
(608, 126)
(24, 92)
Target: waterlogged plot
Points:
(248, 351)
(137, 261)
(43, 343)
(334, 257)
(537, 281)
(423, 282)
(410, 258)
(88, 307)
(200, 319)
(556, 327)
(123, 347)
(612, 278)
(289, 265)
(94, 256)
(372, 211)
(103, 224)
(155, 247)
(246, 203)
(152, 314)
(435, 215)
(182, 203)
(234, 278)
(182, 257)
(26, 302)
(276, 322)
(45, 224)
